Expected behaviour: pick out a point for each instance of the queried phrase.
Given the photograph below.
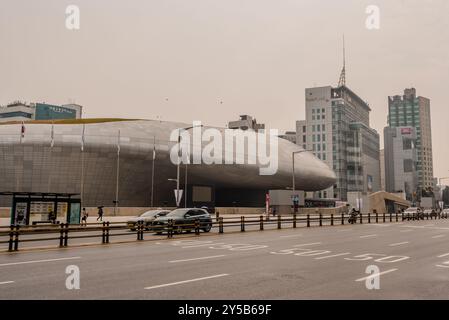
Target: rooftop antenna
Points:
(342, 81)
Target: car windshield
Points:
(151, 213)
(178, 213)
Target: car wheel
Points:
(208, 227)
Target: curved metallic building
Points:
(32, 164)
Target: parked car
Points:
(184, 220)
(147, 218)
(413, 213)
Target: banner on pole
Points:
(267, 203)
(178, 196)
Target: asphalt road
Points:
(305, 263)
(119, 233)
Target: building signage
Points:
(49, 112)
(406, 131)
(20, 217)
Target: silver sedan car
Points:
(147, 218)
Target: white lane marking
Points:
(291, 236)
(310, 253)
(398, 243)
(37, 261)
(443, 255)
(375, 275)
(334, 255)
(203, 245)
(186, 281)
(307, 244)
(405, 231)
(189, 242)
(438, 236)
(201, 258)
(368, 236)
(416, 227)
(428, 225)
(6, 282)
(422, 227)
(344, 230)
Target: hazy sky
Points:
(177, 59)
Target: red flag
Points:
(22, 132)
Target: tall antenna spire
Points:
(342, 81)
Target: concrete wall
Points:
(363, 199)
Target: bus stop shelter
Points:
(32, 208)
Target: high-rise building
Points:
(382, 169)
(337, 130)
(400, 161)
(19, 111)
(410, 110)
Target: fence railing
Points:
(62, 233)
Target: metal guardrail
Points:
(62, 231)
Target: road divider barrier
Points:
(16, 234)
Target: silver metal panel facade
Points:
(34, 166)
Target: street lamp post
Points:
(179, 162)
(185, 188)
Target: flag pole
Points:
(22, 132)
(152, 170)
(52, 143)
(118, 173)
(82, 166)
(185, 180)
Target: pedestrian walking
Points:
(52, 217)
(100, 214)
(84, 217)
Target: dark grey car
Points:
(184, 220)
